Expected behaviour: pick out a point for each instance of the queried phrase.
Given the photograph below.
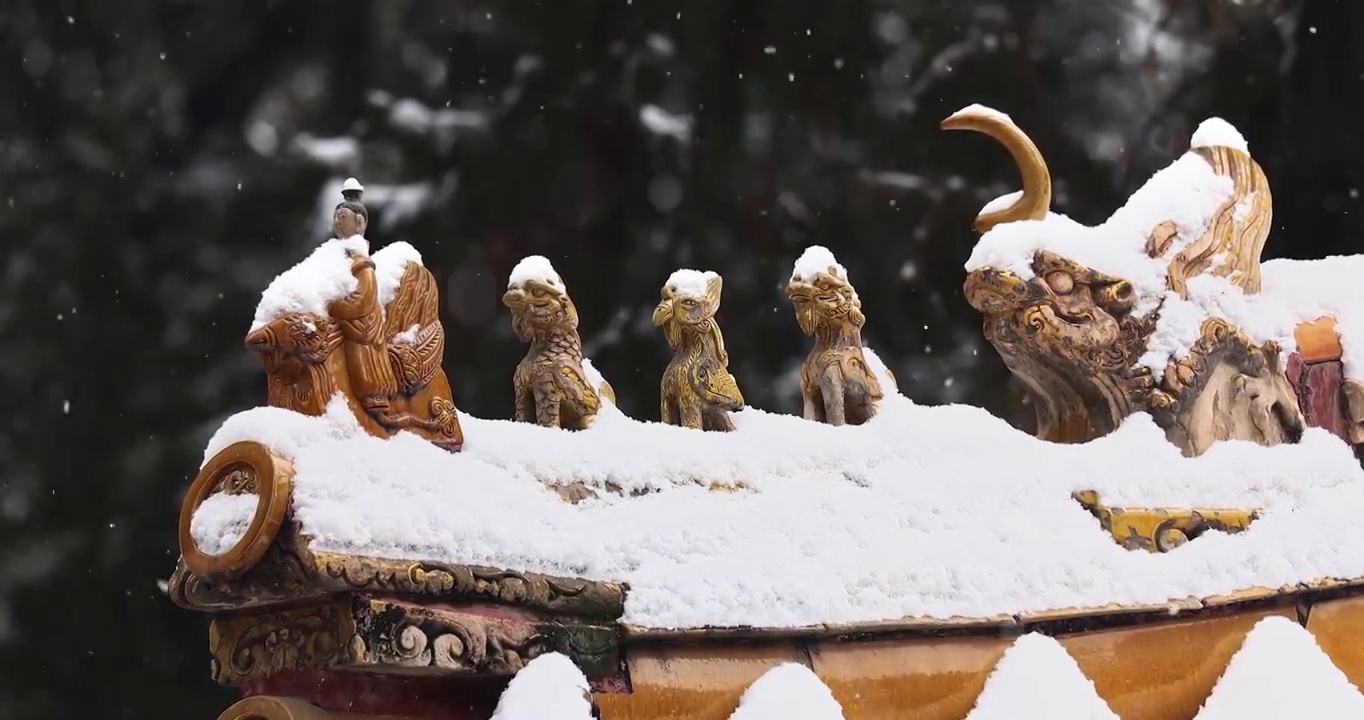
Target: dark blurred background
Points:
(162, 160)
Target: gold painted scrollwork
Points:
(237, 469)
(1161, 530)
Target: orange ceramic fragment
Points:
(1317, 340)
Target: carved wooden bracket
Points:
(368, 633)
(290, 572)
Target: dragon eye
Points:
(1060, 282)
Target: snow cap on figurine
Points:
(351, 189)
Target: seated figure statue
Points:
(371, 333)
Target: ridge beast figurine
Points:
(1072, 334)
(697, 390)
(551, 387)
(836, 384)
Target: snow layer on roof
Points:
(534, 267)
(923, 511)
(550, 687)
(1038, 680)
(1189, 192)
(1281, 672)
(1311, 289)
(1292, 292)
(691, 283)
(789, 691)
(313, 283)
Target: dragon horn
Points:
(1035, 201)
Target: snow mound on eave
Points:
(788, 692)
(1281, 672)
(1037, 678)
(550, 687)
(312, 284)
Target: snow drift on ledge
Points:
(1281, 672)
(1188, 192)
(789, 691)
(550, 687)
(1038, 680)
(923, 511)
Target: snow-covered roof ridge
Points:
(789, 691)
(1037, 678)
(912, 477)
(1281, 672)
(312, 284)
(549, 687)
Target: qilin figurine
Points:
(836, 383)
(697, 391)
(551, 387)
(389, 360)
